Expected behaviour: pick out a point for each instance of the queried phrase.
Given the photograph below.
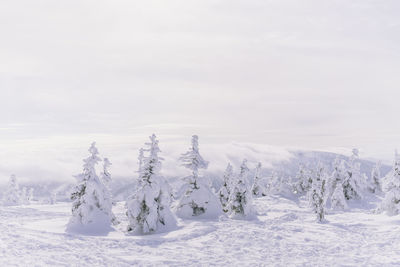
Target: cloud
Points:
(315, 73)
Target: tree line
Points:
(151, 208)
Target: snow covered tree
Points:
(91, 210)
(375, 184)
(12, 195)
(148, 208)
(354, 182)
(240, 203)
(391, 187)
(30, 194)
(338, 175)
(194, 161)
(304, 180)
(280, 184)
(53, 198)
(335, 185)
(317, 193)
(106, 180)
(198, 200)
(225, 190)
(140, 163)
(272, 182)
(338, 200)
(106, 175)
(24, 196)
(140, 160)
(244, 172)
(258, 188)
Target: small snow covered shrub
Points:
(12, 195)
(225, 190)
(259, 188)
(198, 199)
(391, 187)
(317, 193)
(91, 207)
(240, 205)
(148, 209)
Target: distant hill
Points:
(283, 161)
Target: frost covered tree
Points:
(12, 195)
(258, 189)
(338, 200)
(106, 180)
(375, 184)
(30, 194)
(273, 180)
(391, 187)
(354, 182)
(225, 190)
(194, 161)
(106, 175)
(280, 184)
(140, 163)
(148, 208)
(24, 196)
(317, 193)
(91, 209)
(304, 180)
(338, 175)
(335, 185)
(244, 171)
(53, 198)
(198, 199)
(240, 203)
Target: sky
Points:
(311, 74)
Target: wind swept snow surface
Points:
(284, 234)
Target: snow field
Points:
(285, 234)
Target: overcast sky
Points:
(311, 73)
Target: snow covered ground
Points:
(285, 234)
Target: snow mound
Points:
(206, 200)
(99, 226)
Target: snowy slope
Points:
(285, 234)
